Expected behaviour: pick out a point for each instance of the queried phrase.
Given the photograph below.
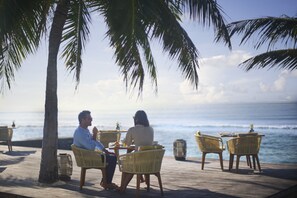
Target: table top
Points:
(112, 145)
(118, 147)
(235, 134)
(113, 130)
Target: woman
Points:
(141, 134)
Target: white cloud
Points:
(222, 81)
(205, 93)
(263, 87)
(232, 59)
(294, 73)
(102, 88)
(279, 84)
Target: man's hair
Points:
(83, 115)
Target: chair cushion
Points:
(198, 133)
(246, 134)
(150, 147)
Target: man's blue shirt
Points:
(84, 139)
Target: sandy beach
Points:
(20, 170)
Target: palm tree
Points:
(131, 25)
(270, 31)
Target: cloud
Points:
(205, 93)
(103, 89)
(279, 84)
(294, 73)
(264, 87)
(222, 81)
(233, 59)
(109, 87)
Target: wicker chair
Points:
(145, 163)
(6, 135)
(248, 157)
(87, 159)
(248, 145)
(106, 137)
(210, 144)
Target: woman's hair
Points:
(141, 118)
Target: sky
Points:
(102, 87)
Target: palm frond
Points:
(208, 12)
(127, 32)
(165, 27)
(75, 35)
(283, 59)
(269, 30)
(21, 26)
(132, 23)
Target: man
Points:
(84, 139)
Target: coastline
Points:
(275, 121)
(63, 143)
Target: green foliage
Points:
(132, 24)
(22, 24)
(270, 31)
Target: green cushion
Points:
(150, 147)
(246, 134)
(198, 133)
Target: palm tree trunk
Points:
(49, 167)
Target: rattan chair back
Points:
(210, 144)
(142, 162)
(105, 137)
(6, 135)
(87, 159)
(207, 143)
(244, 145)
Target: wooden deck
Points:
(19, 172)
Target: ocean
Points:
(276, 121)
